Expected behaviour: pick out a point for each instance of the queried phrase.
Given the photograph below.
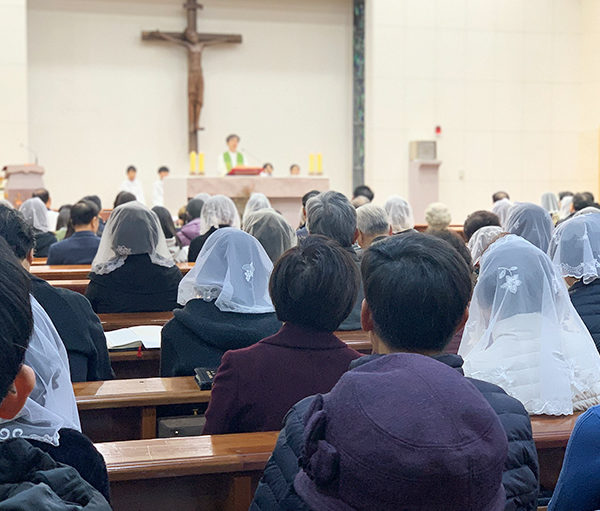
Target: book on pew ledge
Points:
(205, 377)
(134, 337)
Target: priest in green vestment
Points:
(231, 158)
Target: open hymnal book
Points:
(134, 337)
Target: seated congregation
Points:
(473, 330)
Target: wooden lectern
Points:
(21, 182)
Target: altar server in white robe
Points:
(133, 185)
(158, 192)
(231, 158)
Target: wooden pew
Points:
(65, 272)
(458, 229)
(126, 409)
(79, 286)
(125, 320)
(38, 261)
(217, 472)
(551, 435)
(129, 364)
(79, 271)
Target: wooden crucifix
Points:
(195, 43)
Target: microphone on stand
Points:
(30, 150)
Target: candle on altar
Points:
(201, 163)
(193, 162)
(311, 163)
(319, 163)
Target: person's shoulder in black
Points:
(137, 286)
(198, 242)
(200, 334)
(586, 300)
(77, 451)
(43, 242)
(79, 328)
(33, 479)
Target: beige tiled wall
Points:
(512, 83)
(13, 82)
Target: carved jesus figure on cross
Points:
(195, 43)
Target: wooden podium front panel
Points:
(284, 193)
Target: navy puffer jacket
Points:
(586, 300)
(521, 473)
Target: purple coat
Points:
(256, 386)
(188, 232)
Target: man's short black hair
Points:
(456, 242)
(365, 191)
(194, 209)
(314, 284)
(589, 196)
(83, 213)
(16, 232)
(130, 168)
(231, 137)
(477, 220)
(123, 198)
(42, 194)
(163, 169)
(417, 290)
(95, 199)
(309, 195)
(582, 201)
(562, 195)
(499, 196)
(294, 165)
(16, 320)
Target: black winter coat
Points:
(137, 286)
(79, 328)
(520, 478)
(31, 479)
(586, 300)
(200, 334)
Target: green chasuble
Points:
(229, 164)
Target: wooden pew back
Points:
(207, 472)
(127, 409)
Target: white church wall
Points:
(101, 99)
(510, 83)
(13, 85)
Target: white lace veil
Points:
(35, 214)
(502, 208)
(256, 202)
(232, 269)
(575, 248)
(550, 202)
(51, 405)
(219, 210)
(272, 230)
(524, 334)
(565, 207)
(202, 196)
(132, 229)
(531, 222)
(481, 240)
(400, 214)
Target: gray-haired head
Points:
(372, 220)
(332, 215)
